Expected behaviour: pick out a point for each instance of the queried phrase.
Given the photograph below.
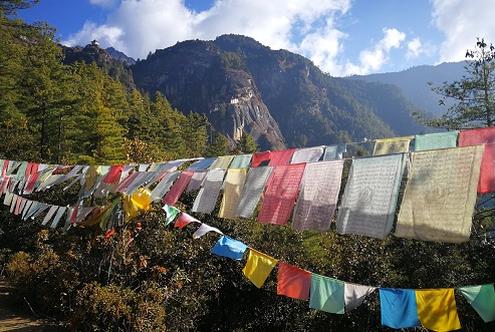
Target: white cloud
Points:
(140, 26)
(414, 48)
(372, 59)
(461, 22)
(309, 27)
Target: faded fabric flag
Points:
(361, 149)
(318, 196)
(281, 157)
(172, 197)
(164, 185)
(398, 308)
(201, 165)
(207, 197)
(241, 161)
(355, 294)
(482, 299)
(293, 282)
(196, 181)
(205, 229)
(222, 162)
(327, 294)
(280, 194)
(437, 309)
(440, 195)
(307, 155)
(392, 145)
(370, 196)
(434, 141)
(232, 186)
(252, 190)
(482, 136)
(334, 152)
(258, 267)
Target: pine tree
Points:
(247, 144)
(219, 145)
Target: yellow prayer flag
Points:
(234, 181)
(258, 267)
(437, 309)
(139, 201)
(392, 145)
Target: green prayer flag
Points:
(482, 299)
(327, 294)
(434, 141)
(171, 213)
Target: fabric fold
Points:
(318, 196)
(205, 229)
(184, 220)
(280, 194)
(440, 195)
(281, 157)
(175, 192)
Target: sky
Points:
(342, 37)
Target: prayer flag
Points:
(258, 267)
(260, 159)
(293, 282)
(241, 161)
(482, 299)
(370, 196)
(398, 308)
(334, 152)
(440, 195)
(355, 294)
(222, 162)
(437, 309)
(113, 175)
(252, 190)
(172, 197)
(207, 197)
(318, 196)
(196, 181)
(281, 157)
(307, 155)
(327, 294)
(136, 203)
(184, 220)
(434, 141)
(205, 229)
(230, 248)
(280, 194)
(392, 145)
(487, 173)
(232, 186)
(201, 165)
(171, 213)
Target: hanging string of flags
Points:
(302, 185)
(443, 179)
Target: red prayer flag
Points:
(184, 220)
(281, 158)
(259, 158)
(113, 175)
(281, 193)
(4, 168)
(178, 188)
(485, 136)
(293, 282)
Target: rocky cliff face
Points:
(197, 76)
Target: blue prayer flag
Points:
(230, 248)
(398, 308)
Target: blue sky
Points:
(343, 37)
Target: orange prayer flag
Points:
(293, 282)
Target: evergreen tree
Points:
(474, 94)
(219, 145)
(247, 144)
